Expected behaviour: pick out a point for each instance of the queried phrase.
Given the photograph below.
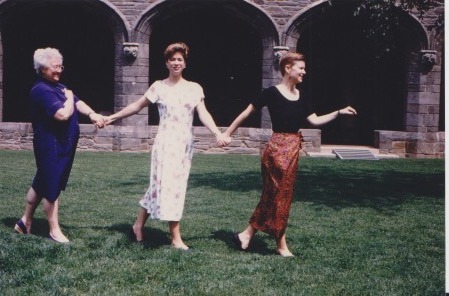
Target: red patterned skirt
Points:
(279, 166)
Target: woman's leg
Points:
(175, 231)
(282, 248)
(32, 201)
(142, 216)
(51, 210)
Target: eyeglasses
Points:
(57, 67)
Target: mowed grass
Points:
(356, 227)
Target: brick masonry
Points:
(19, 136)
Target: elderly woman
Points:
(172, 152)
(55, 125)
(289, 108)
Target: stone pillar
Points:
(134, 81)
(423, 106)
(423, 99)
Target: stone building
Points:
(113, 50)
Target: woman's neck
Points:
(288, 85)
(174, 79)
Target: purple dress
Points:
(54, 141)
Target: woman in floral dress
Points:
(172, 152)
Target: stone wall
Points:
(19, 136)
(411, 144)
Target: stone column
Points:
(423, 106)
(134, 81)
(423, 99)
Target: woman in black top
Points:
(289, 109)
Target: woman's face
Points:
(176, 64)
(296, 71)
(53, 72)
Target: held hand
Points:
(97, 119)
(107, 120)
(348, 111)
(68, 93)
(223, 140)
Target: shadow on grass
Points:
(383, 191)
(339, 187)
(154, 238)
(39, 228)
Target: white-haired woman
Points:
(54, 111)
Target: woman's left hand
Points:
(97, 119)
(223, 140)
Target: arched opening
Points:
(83, 36)
(347, 68)
(225, 57)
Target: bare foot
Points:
(245, 240)
(180, 245)
(59, 237)
(285, 253)
(138, 233)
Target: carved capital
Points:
(130, 50)
(278, 51)
(428, 58)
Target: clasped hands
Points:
(223, 139)
(101, 121)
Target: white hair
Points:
(42, 57)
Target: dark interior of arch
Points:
(344, 67)
(84, 39)
(225, 59)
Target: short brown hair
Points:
(174, 48)
(289, 58)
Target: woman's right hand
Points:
(107, 120)
(68, 93)
(223, 140)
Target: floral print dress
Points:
(172, 149)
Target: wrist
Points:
(90, 113)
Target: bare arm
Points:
(323, 119)
(129, 110)
(209, 122)
(239, 120)
(64, 113)
(85, 109)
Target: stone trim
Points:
(411, 144)
(248, 141)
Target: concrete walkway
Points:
(326, 151)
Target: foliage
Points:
(384, 17)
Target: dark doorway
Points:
(344, 67)
(84, 39)
(225, 59)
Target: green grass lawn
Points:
(356, 227)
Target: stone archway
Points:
(343, 69)
(86, 33)
(231, 51)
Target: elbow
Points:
(62, 116)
